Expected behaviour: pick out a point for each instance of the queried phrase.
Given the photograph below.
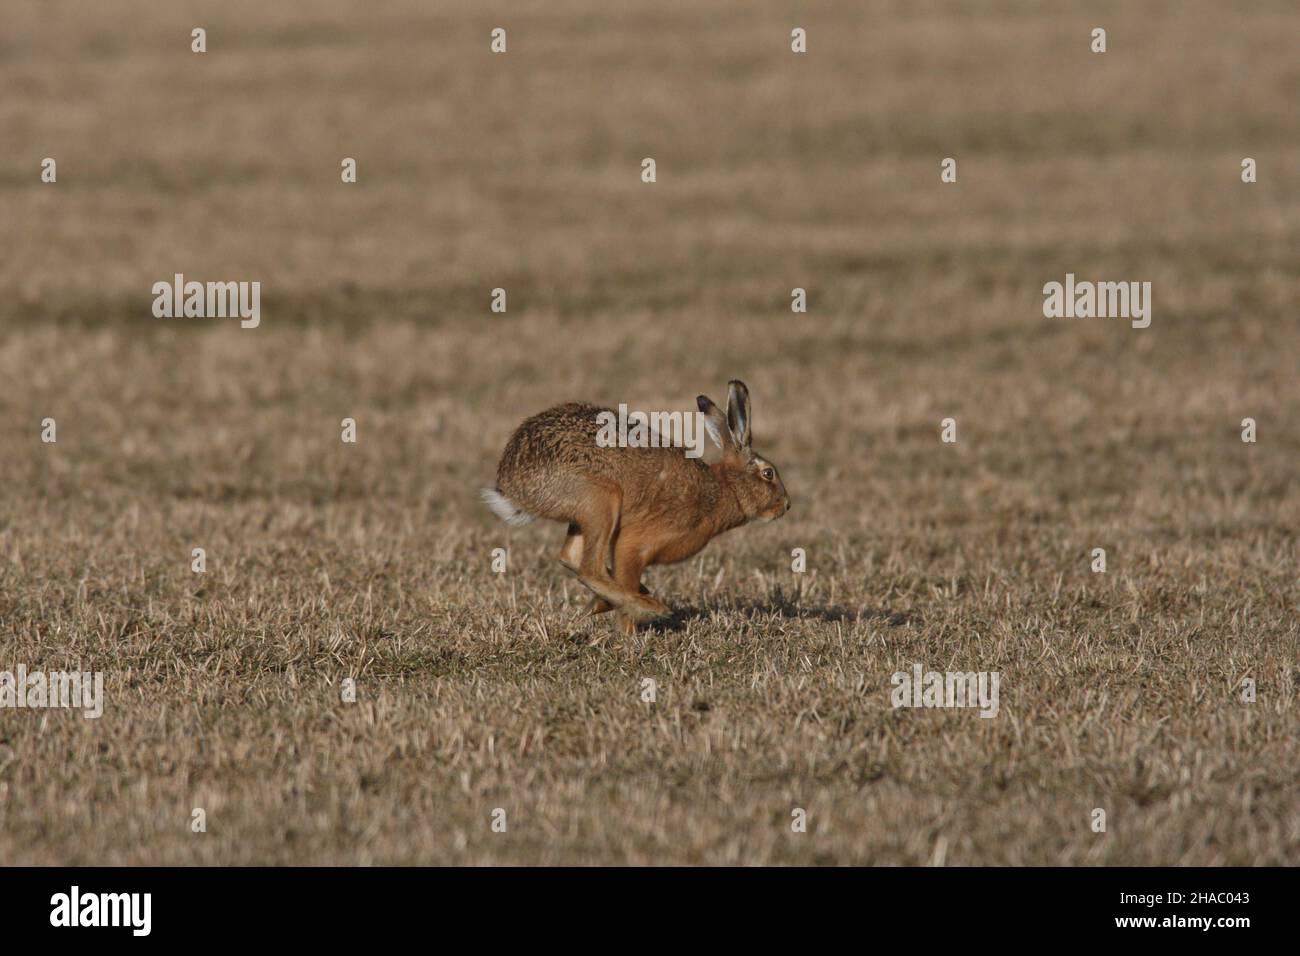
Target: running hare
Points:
(628, 508)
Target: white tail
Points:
(504, 508)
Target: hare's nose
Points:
(787, 502)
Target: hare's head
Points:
(754, 480)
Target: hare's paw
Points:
(645, 609)
(598, 605)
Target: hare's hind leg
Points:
(629, 565)
(598, 523)
(571, 553)
(571, 558)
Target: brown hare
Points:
(628, 508)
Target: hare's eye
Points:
(768, 474)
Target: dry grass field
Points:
(372, 561)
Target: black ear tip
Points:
(703, 402)
(738, 384)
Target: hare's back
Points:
(564, 440)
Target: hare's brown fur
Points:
(628, 508)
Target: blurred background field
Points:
(775, 171)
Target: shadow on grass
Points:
(782, 606)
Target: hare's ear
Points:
(738, 413)
(714, 421)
